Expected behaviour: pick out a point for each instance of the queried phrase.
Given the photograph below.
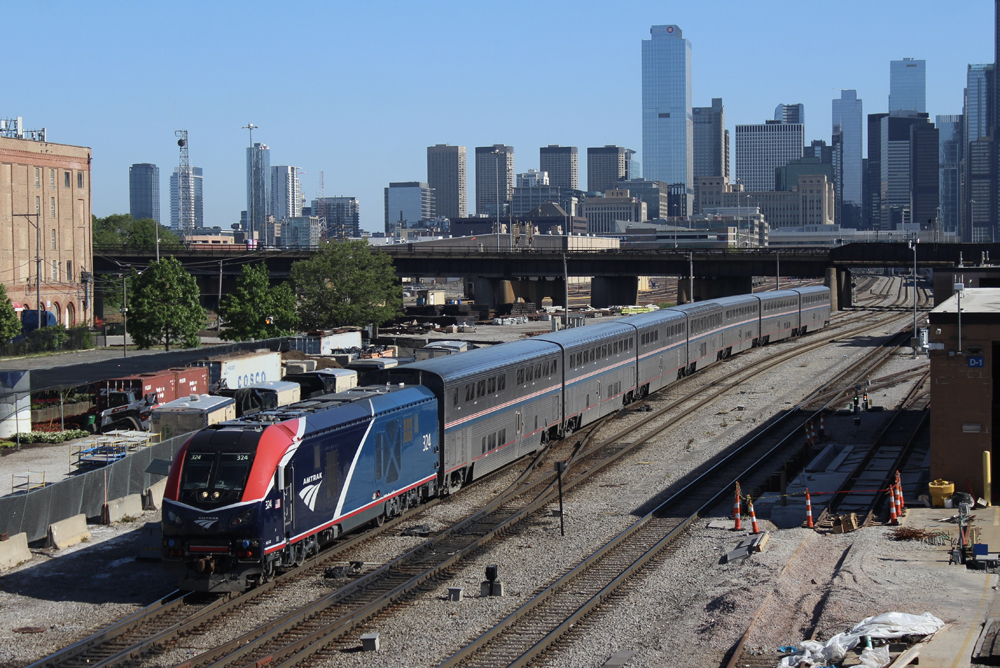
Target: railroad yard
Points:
(644, 533)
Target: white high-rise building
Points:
(532, 178)
(667, 127)
(195, 201)
(286, 195)
(847, 113)
(760, 149)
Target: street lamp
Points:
(913, 247)
(38, 260)
(739, 204)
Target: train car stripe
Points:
(354, 463)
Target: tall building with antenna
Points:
(193, 199)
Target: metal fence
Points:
(86, 493)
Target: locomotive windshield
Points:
(211, 479)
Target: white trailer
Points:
(242, 370)
(192, 413)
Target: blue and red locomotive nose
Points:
(236, 521)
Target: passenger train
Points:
(247, 497)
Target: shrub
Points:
(50, 436)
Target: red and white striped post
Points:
(737, 510)
(899, 487)
(822, 427)
(892, 506)
(753, 517)
(808, 434)
(809, 510)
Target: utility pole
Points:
(218, 320)
(38, 261)
(124, 317)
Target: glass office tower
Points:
(907, 85)
(667, 128)
(144, 191)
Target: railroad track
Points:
(533, 631)
(860, 495)
(161, 623)
(318, 629)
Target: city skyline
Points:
(318, 135)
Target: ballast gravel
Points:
(688, 609)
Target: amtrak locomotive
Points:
(247, 497)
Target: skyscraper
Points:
(488, 180)
(847, 113)
(407, 203)
(341, 214)
(907, 169)
(667, 127)
(908, 85)
(606, 166)
(872, 205)
(195, 201)
(978, 197)
(446, 176)
(761, 149)
(258, 188)
(562, 163)
(286, 194)
(951, 153)
(790, 113)
(144, 191)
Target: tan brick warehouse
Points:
(52, 180)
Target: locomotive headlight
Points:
(174, 518)
(242, 518)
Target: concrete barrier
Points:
(67, 532)
(152, 498)
(117, 510)
(14, 551)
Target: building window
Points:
(53, 240)
(52, 178)
(55, 270)
(38, 177)
(52, 207)
(79, 179)
(69, 270)
(66, 179)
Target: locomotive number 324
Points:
(427, 442)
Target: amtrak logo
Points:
(206, 522)
(309, 494)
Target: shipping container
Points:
(192, 413)
(242, 369)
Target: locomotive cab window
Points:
(210, 479)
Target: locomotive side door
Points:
(288, 498)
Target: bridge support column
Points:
(713, 288)
(684, 295)
(493, 292)
(845, 288)
(831, 282)
(614, 290)
(535, 291)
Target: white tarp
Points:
(885, 626)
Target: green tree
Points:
(346, 283)
(256, 310)
(163, 306)
(121, 229)
(10, 326)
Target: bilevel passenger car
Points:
(248, 496)
(263, 492)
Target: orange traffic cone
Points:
(753, 517)
(809, 510)
(899, 500)
(892, 506)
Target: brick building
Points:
(51, 183)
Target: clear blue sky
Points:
(358, 90)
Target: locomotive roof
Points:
(330, 410)
(482, 359)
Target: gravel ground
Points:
(688, 601)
